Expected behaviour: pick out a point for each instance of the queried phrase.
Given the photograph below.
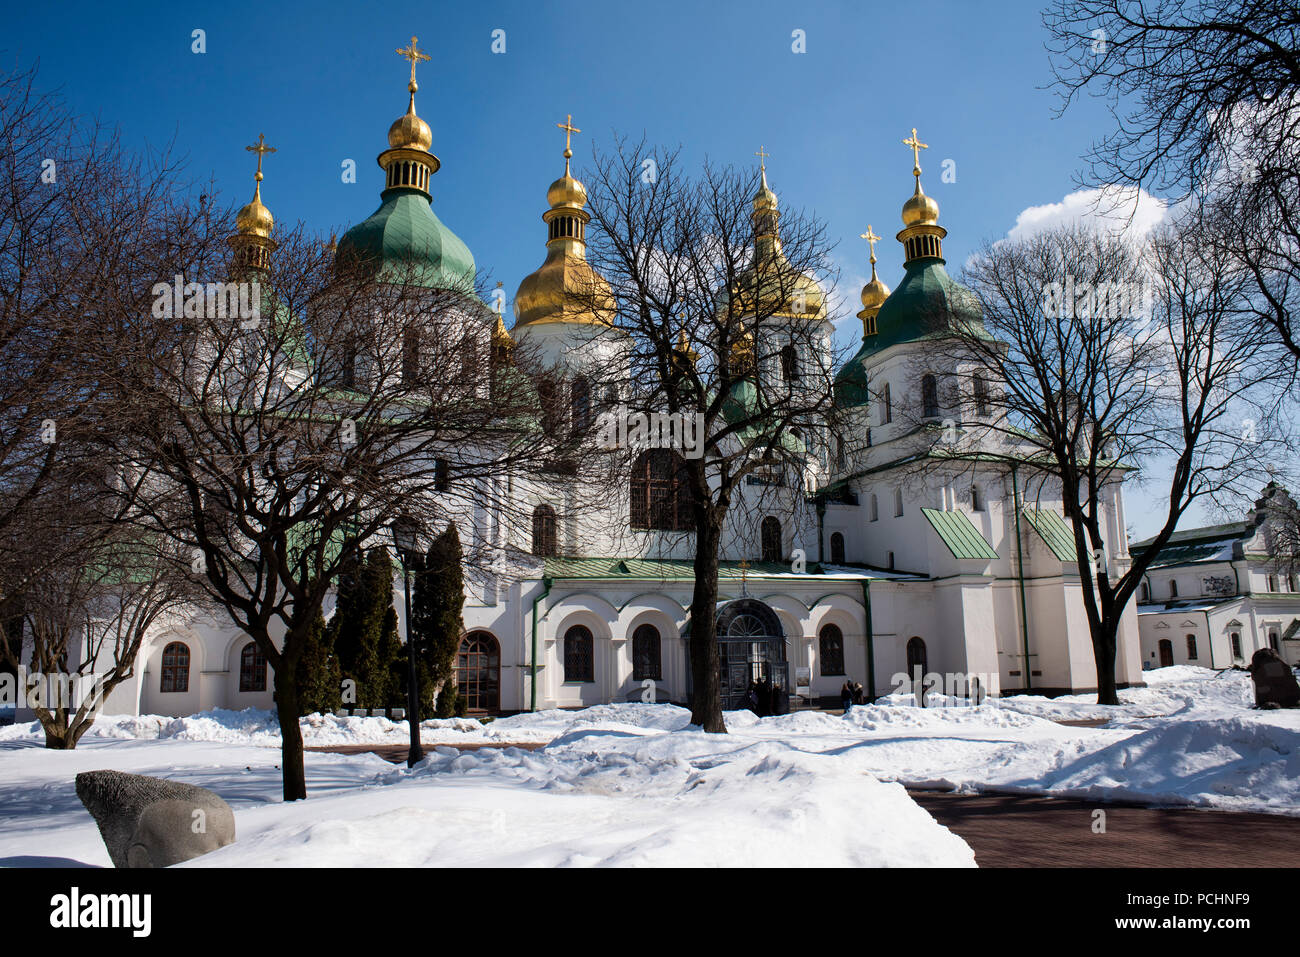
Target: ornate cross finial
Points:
(762, 158)
(501, 299)
(413, 54)
(917, 146)
(260, 148)
(871, 238)
(569, 130)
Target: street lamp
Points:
(405, 529)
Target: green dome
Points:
(851, 381)
(926, 304)
(404, 230)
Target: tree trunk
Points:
(291, 763)
(55, 726)
(706, 703)
(1104, 644)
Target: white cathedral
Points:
(966, 571)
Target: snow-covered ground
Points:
(633, 784)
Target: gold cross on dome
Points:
(871, 239)
(917, 146)
(762, 158)
(260, 148)
(569, 130)
(413, 54)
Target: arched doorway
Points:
(1166, 653)
(478, 672)
(751, 647)
(917, 657)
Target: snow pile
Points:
(762, 805)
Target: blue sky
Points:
(323, 82)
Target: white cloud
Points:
(1117, 209)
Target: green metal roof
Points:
(664, 569)
(1051, 528)
(404, 232)
(927, 303)
(851, 381)
(962, 538)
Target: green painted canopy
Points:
(928, 303)
(405, 234)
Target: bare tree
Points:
(719, 296)
(87, 617)
(276, 446)
(1204, 97)
(1084, 387)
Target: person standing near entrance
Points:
(846, 696)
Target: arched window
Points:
(976, 499)
(789, 364)
(1272, 583)
(252, 668)
(646, 654)
(661, 494)
(898, 502)
(981, 396)
(442, 475)
(580, 404)
(875, 507)
(411, 358)
(929, 397)
(917, 658)
(1273, 641)
(837, 548)
(771, 535)
(1173, 588)
(890, 557)
(545, 539)
(176, 667)
(1146, 591)
(840, 458)
(478, 672)
(888, 407)
(1235, 640)
(579, 655)
(831, 644)
(1191, 647)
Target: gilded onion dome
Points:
(565, 288)
(928, 303)
(404, 238)
(874, 293)
(252, 241)
(770, 284)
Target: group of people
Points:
(852, 694)
(764, 698)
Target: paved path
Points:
(1017, 831)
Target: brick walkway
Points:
(1016, 831)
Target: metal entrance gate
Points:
(751, 647)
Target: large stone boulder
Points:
(151, 822)
(1275, 684)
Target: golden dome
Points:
(409, 131)
(920, 209)
(255, 219)
(564, 289)
(567, 191)
(874, 293)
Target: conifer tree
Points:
(319, 675)
(364, 630)
(436, 619)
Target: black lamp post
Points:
(404, 531)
